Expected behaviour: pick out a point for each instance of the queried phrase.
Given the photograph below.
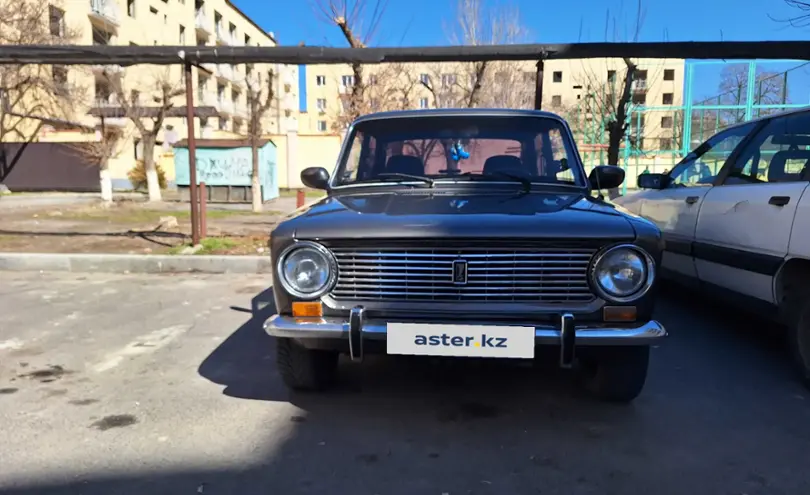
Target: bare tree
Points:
(489, 83)
(348, 15)
(609, 102)
(259, 101)
(147, 119)
(800, 20)
(108, 143)
(33, 92)
(770, 89)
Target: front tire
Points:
(616, 374)
(799, 341)
(305, 369)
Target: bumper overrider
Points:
(566, 333)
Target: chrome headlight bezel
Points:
(331, 263)
(644, 287)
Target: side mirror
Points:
(653, 181)
(315, 177)
(606, 177)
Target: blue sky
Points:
(423, 22)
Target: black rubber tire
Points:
(615, 374)
(799, 341)
(305, 369)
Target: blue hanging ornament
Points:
(457, 152)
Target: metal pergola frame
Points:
(305, 55)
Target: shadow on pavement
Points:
(720, 414)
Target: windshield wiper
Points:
(396, 175)
(527, 183)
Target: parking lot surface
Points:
(165, 384)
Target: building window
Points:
(665, 143)
(232, 31)
(640, 75)
(247, 40)
(556, 101)
(322, 125)
(131, 8)
(57, 21)
(448, 80)
(611, 76)
(372, 80)
(182, 37)
(666, 122)
(60, 78)
(347, 81)
(639, 99)
(557, 76)
(223, 123)
(320, 80)
(423, 103)
(424, 78)
(668, 98)
(321, 104)
(669, 74)
(153, 10)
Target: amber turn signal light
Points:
(619, 313)
(307, 309)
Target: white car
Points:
(735, 217)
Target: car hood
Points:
(435, 214)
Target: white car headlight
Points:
(307, 270)
(623, 273)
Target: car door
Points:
(745, 223)
(675, 208)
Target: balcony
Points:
(639, 85)
(206, 99)
(240, 110)
(225, 106)
(203, 24)
(105, 14)
(107, 69)
(105, 101)
(223, 36)
(225, 71)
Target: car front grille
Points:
(544, 273)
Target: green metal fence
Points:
(657, 137)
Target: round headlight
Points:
(307, 269)
(623, 273)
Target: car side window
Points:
(780, 152)
(701, 166)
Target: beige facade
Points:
(576, 89)
(220, 90)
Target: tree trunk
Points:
(105, 180)
(152, 182)
(255, 183)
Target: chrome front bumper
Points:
(567, 334)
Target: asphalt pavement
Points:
(165, 384)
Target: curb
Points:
(133, 263)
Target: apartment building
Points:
(221, 90)
(580, 90)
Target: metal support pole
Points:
(300, 198)
(203, 205)
(538, 90)
(192, 158)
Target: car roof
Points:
(457, 112)
(768, 117)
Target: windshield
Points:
(509, 149)
(702, 165)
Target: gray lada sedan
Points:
(465, 233)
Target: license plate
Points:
(461, 340)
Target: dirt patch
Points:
(135, 228)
